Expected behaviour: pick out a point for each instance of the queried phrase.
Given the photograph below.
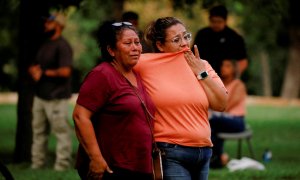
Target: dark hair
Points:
(235, 67)
(156, 30)
(107, 36)
(219, 11)
(130, 15)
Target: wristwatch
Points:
(202, 75)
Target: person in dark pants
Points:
(232, 119)
(218, 41)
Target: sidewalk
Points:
(12, 98)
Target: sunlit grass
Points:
(276, 128)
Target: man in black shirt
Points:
(218, 42)
(52, 74)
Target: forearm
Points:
(242, 65)
(86, 136)
(216, 95)
(60, 72)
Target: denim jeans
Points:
(185, 163)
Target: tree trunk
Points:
(267, 86)
(30, 37)
(118, 7)
(291, 84)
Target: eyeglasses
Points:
(118, 24)
(178, 40)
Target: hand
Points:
(97, 169)
(194, 61)
(35, 72)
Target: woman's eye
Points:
(176, 40)
(187, 36)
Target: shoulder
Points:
(62, 42)
(99, 78)
(103, 68)
(230, 32)
(203, 31)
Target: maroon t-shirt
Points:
(120, 123)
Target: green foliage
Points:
(84, 22)
(259, 21)
(9, 18)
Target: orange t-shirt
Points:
(182, 105)
(239, 107)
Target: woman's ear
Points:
(110, 51)
(159, 46)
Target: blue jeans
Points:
(185, 163)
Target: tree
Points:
(9, 16)
(291, 85)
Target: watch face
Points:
(202, 75)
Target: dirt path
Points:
(12, 98)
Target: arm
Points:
(238, 93)
(36, 72)
(242, 65)
(60, 72)
(87, 138)
(217, 95)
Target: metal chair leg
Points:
(250, 148)
(239, 148)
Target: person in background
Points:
(182, 87)
(52, 74)
(218, 41)
(111, 111)
(232, 120)
(133, 17)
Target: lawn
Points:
(276, 128)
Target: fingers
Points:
(97, 175)
(109, 170)
(196, 52)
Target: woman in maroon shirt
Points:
(111, 109)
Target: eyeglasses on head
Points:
(118, 24)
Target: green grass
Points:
(276, 128)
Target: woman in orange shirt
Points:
(182, 87)
(232, 119)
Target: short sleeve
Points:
(240, 48)
(94, 91)
(65, 54)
